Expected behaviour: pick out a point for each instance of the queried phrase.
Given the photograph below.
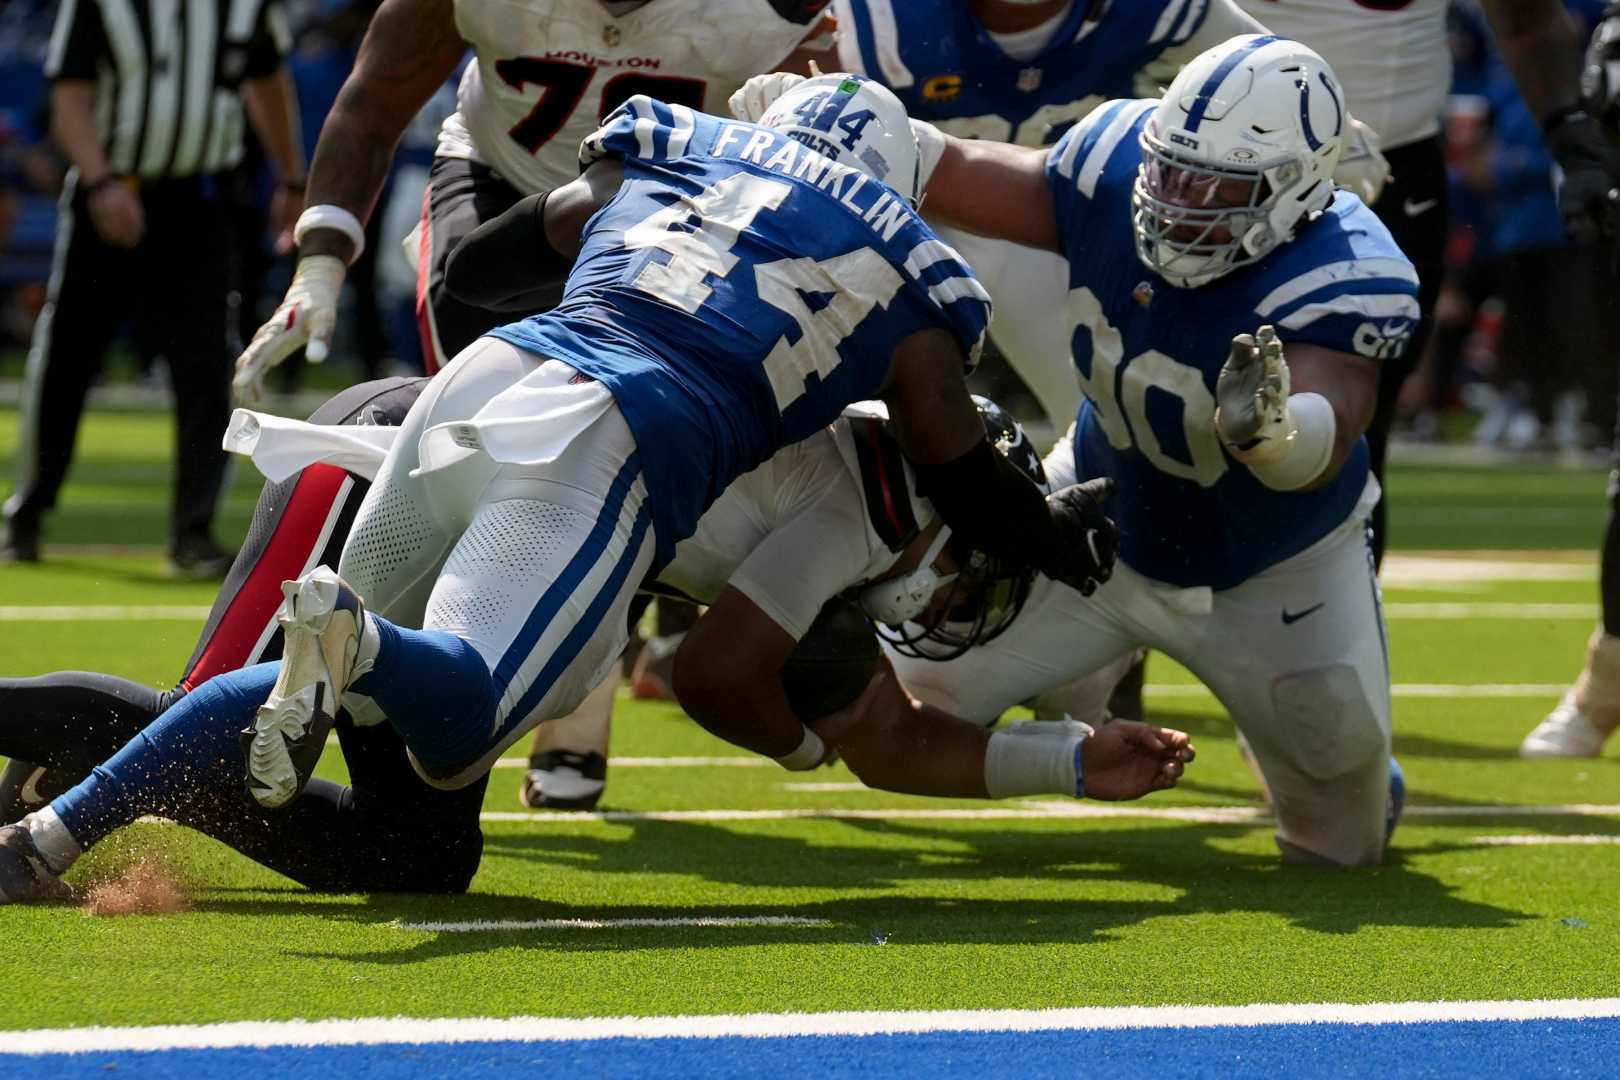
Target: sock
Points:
(53, 840)
(435, 689)
(192, 745)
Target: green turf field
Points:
(906, 903)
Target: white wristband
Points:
(1036, 757)
(335, 218)
(1290, 464)
(807, 755)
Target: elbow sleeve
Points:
(991, 505)
(508, 264)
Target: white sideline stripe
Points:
(193, 612)
(1028, 811)
(500, 925)
(1544, 841)
(414, 1031)
(102, 612)
(1412, 690)
(824, 788)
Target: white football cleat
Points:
(1567, 732)
(323, 621)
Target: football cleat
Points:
(26, 787)
(564, 780)
(1567, 732)
(322, 620)
(23, 873)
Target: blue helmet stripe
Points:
(1195, 115)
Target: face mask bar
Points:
(982, 603)
(900, 599)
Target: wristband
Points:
(1036, 757)
(1290, 463)
(335, 218)
(807, 755)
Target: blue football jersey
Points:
(738, 292)
(942, 63)
(1148, 354)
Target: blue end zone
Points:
(1473, 1050)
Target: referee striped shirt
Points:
(167, 75)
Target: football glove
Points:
(1251, 393)
(1088, 539)
(306, 319)
(1362, 168)
(1589, 185)
(755, 96)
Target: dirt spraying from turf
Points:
(147, 886)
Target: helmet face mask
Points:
(984, 594)
(1239, 153)
(855, 122)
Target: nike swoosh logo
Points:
(1290, 619)
(30, 789)
(1413, 209)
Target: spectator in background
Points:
(148, 109)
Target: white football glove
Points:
(306, 319)
(1251, 394)
(759, 92)
(1362, 168)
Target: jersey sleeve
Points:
(940, 282)
(271, 41)
(1179, 21)
(1364, 304)
(78, 41)
(644, 129)
(1076, 164)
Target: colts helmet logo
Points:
(1305, 125)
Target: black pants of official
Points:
(173, 288)
(387, 831)
(1414, 207)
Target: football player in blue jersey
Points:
(736, 286)
(1227, 310)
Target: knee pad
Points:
(1327, 725)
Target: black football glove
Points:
(1087, 538)
(1587, 197)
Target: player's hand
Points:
(305, 320)
(1251, 393)
(757, 94)
(117, 214)
(1590, 168)
(1362, 167)
(1126, 760)
(1087, 538)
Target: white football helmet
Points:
(1239, 153)
(854, 121)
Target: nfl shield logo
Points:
(1029, 79)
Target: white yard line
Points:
(419, 1031)
(1547, 841)
(1399, 611)
(103, 612)
(1025, 811)
(706, 921)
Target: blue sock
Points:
(1397, 798)
(436, 691)
(192, 745)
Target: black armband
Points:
(508, 264)
(991, 505)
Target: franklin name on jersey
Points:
(1148, 353)
(737, 292)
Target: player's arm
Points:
(991, 188)
(1293, 420)
(985, 499)
(726, 676)
(513, 262)
(1223, 20)
(409, 50)
(1541, 45)
(897, 743)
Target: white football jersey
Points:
(1391, 57)
(792, 534)
(547, 71)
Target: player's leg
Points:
(1414, 208)
(67, 722)
(1297, 655)
(568, 759)
(88, 297)
(1589, 711)
(460, 196)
